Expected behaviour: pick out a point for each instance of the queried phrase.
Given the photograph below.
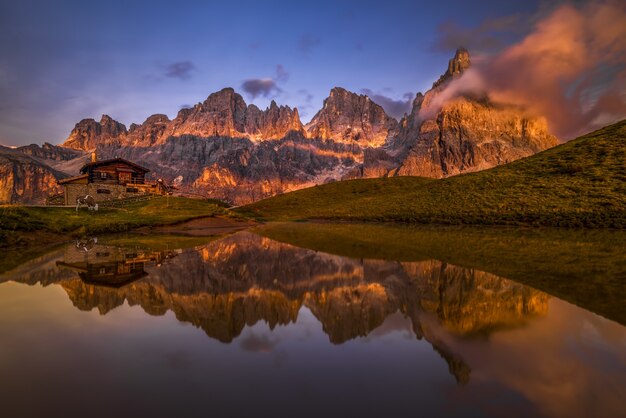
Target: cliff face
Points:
(464, 133)
(49, 152)
(241, 170)
(467, 135)
(148, 133)
(88, 134)
(24, 179)
(348, 117)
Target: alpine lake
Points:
(319, 320)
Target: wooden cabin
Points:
(115, 178)
(114, 171)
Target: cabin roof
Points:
(71, 179)
(112, 161)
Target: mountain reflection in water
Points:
(239, 280)
(478, 323)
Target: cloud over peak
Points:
(570, 68)
(266, 87)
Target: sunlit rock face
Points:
(456, 66)
(447, 134)
(349, 117)
(227, 149)
(148, 133)
(88, 134)
(24, 179)
(467, 135)
(225, 114)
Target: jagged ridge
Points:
(230, 150)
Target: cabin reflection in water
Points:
(111, 266)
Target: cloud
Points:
(260, 87)
(266, 87)
(394, 108)
(307, 43)
(182, 70)
(570, 68)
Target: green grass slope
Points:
(19, 223)
(578, 184)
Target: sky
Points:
(62, 61)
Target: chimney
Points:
(94, 157)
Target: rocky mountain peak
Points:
(464, 133)
(221, 114)
(456, 66)
(350, 117)
(88, 133)
(275, 122)
(149, 132)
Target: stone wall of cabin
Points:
(96, 190)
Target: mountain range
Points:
(226, 149)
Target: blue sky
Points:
(63, 61)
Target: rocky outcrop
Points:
(274, 123)
(352, 118)
(49, 152)
(24, 179)
(88, 134)
(456, 66)
(467, 135)
(222, 114)
(241, 170)
(146, 134)
(464, 133)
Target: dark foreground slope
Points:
(578, 184)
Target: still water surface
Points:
(246, 325)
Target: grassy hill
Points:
(578, 184)
(18, 223)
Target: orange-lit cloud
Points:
(571, 68)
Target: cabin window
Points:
(103, 176)
(103, 270)
(103, 191)
(132, 190)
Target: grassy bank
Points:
(583, 267)
(578, 184)
(23, 226)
